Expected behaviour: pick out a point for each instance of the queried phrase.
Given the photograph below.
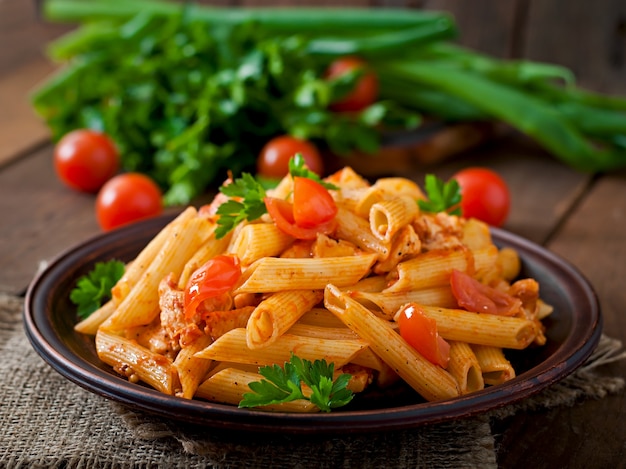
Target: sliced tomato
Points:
(480, 298)
(215, 277)
(420, 332)
(282, 212)
(312, 203)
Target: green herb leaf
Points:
(298, 169)
(442, 196)
(246, 203)
(94, 289)
(285, 385)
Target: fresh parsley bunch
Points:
(285, 385)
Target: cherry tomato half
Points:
(216, 277)
(364, 93)
(85, 159)
(126, 198)
(312, 203)
(273, 161)
(485, 195)
(420, 332)
(480, 298)
(313, 210)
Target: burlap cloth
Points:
(47, 421)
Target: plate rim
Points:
(80, 371)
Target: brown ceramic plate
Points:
(573, 331)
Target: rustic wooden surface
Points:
(578, 216)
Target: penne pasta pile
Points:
(336, 297)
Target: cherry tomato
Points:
(480, 298)
(312, 203)
(281, 212)
(420, 332)
(216, 277)
(485, 195)
(126, 198)
(85, 159)
(273, 161)
(365, 91)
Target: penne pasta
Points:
(141, 305)
(272, 274)
(191, 370)
(483, 329)
(233, 346)
(430, 381)
(464, 367)
(433, 268)
(495, 367)
(277, 313)
(136, 362)
(259, 240)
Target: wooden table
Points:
(578, 216)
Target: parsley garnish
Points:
(298, 169)
(246, 203)
(93, 289)
(247, 196)
(442, 196)
(285, 385)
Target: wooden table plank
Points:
(20, 128)
(40, 218)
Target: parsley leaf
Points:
(285, 385)
(93, 289)
(246, 203)
(442, 196)
(298, 169)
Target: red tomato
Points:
(485, 195)
(85, 159)
(312, 203)
(480, 298)
(420, 332)
(364, 93)
(282, 212)
(215, 277)
(127, 198)
(273, 161)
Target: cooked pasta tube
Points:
(191, 370)
(334, 333)
(140, 264)
(135, 362)
(430, 381)
(230, 384)
(277, 313)
(496, 369)
(389, 216)
(400, 186)
(484, 329)
(272, 274)
(360, 200)
(90, 324)
(320, 317)
(258, 240)
(141, 305)
(233, 347)
(464, 366)
(386, 304)
(433, 268)
(356, 229)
